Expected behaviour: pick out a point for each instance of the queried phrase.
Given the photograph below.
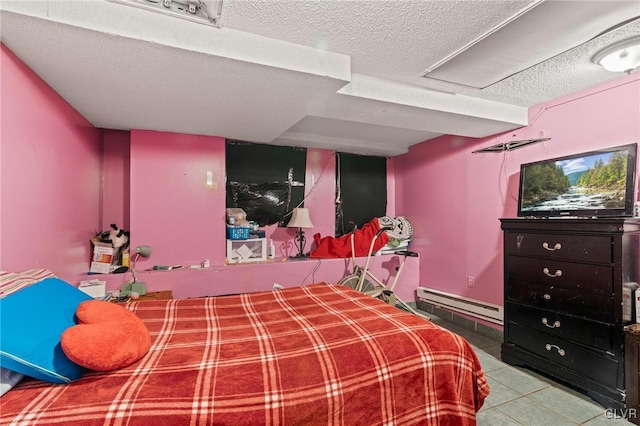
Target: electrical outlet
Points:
(471, 281)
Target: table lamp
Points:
(300, 219)
(135, 285)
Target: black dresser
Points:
(564, 282)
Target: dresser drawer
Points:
(591, 333)
(594, 365)
(558, 246)
(568, 301)
(576, 276)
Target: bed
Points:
(317, 354)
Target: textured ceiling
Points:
(372, 77)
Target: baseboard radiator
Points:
(453, 302)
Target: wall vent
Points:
(201, 11)
(510, 146)
(453, 302)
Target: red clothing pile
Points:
(331, 247)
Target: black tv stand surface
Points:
(575, 217)
(563, 299)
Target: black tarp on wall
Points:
(361, 184)
(266, 181)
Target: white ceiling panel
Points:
(343, 75)
(540, 34)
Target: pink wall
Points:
(184, 222)
(230, 279)
(172, 209)
(391, 187)
(455, 198)
(49, 176)
(115, 179)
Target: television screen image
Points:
(591, 184)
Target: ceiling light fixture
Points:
(622, 56)
(201, 11)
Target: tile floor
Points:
(522, 397)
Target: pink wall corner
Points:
(391, 187)
(50, 176)
(115, 179)
(320, 192)
(455, 198)
(431, 180)
(172, 208)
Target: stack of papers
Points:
(94, 288)
(392, 248)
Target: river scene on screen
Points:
(585, 183)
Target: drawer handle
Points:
(546, 296)
(561, 352)
(556, 324)
(556, 274)
(557, 246)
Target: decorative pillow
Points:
(8, 379)
(31, 323)
(108, 337)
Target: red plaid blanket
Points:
(313, 355)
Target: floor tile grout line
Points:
(515, 420)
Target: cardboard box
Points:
(629, 301)
(100, 268)
(102, 252)
(102, 258)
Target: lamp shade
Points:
(300, 219)
(143, 251)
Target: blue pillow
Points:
(31, 323)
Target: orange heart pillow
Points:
(107, 337)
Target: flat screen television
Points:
(591, 184)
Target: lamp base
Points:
(298, 257)
(137, 287)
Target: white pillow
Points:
(8, 379)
